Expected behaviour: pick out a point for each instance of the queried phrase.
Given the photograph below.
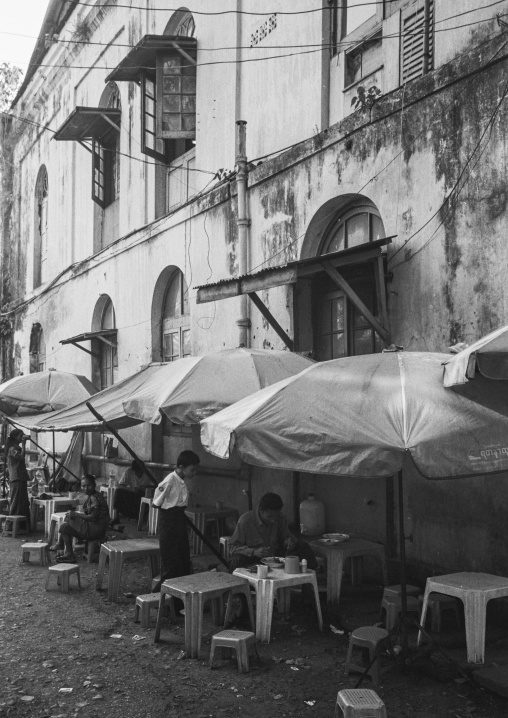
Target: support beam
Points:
(76, 344)
(258, 303)
(353, 297)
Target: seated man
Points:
(90, 524)
(130, 490)
(264, 532)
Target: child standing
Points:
(171, 497)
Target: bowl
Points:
(336, 537)
(273, 561)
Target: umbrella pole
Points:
(53, 435)
(402, 552)
(55, 460)
(151, 476)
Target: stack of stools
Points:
(63, 571)
(437, 603)
(14, 525)
(240, 641)
(148, 601)
(391, 605)
(374, 639)
(359, 703)
(40, 548)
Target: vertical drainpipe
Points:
(326, 35)
(242, 223)
(426, 36)
(242, 174)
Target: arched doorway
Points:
(104, 346)
(171, 338)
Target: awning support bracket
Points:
(355, 299)
(258, 303)
(185, 54)
(113, 124)
(89, 149)
(76, 344)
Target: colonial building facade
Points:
(175, 177)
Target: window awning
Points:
(249, 284)
(85, 123)
(107, 336)
(143, 55)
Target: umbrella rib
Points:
(403, 393)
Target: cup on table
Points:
(292, 564)
(262, 571)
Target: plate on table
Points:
(273, 561)
(331, 539)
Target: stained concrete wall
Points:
(447, 258)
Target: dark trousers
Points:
(19, 503)
(174, 544)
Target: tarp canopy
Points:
(109, 404)
(489, 356)
(43, 391)
(361, 416)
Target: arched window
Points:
(37, 349)
(41, 228)
(108, 355)
(175, 320)
(339, 327)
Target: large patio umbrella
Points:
(43, 391)
(488, 355)
(193, 388)
(362, 417)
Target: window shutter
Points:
(176, 96)
(103, 173)
(414, 43)
(151, 145)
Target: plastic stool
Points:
(56, 521)
(4, 505)
(151, 600)
(224, 546)
(359, 703)
(16, 525)
(240, 642)
(92, 550)
(369, 637)
(392, 605)
(36, 548)
(395, 591)
(62, 571)
(437, 603)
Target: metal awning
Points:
(143, 55)
(107, 336)
(86, 123)
(289, 273)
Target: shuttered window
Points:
(417, 42)
(103, 172)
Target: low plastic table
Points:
(474, 590)
(266, 588)
(194, 591)
(200, 515)
(336, 556)
(118, 552)
(50, 506)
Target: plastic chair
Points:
(359, 703)
(42, 549)
(369, 637)
(63, 571)
(437, 603)
(240, 641)
(146, 602)
(392, 607)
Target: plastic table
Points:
(50, 506)
(194, 591)
(475, 590)
(277, 580)
(200, 515)
(118, 552)
(336, 556)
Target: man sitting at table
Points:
(264, 532)
(130, 490)
(92, 523)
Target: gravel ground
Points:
(59, 659)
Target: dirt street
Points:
(75, 654)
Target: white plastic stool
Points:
(148, 601)
(437, 603)
(359, 703)
(395, 591)
(370, 637)
(14, 525)
(42, 549)
(240, 641)
(392, 606)
(62, 571)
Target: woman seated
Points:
(88, 525)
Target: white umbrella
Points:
(488, 355)
(43, 391)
